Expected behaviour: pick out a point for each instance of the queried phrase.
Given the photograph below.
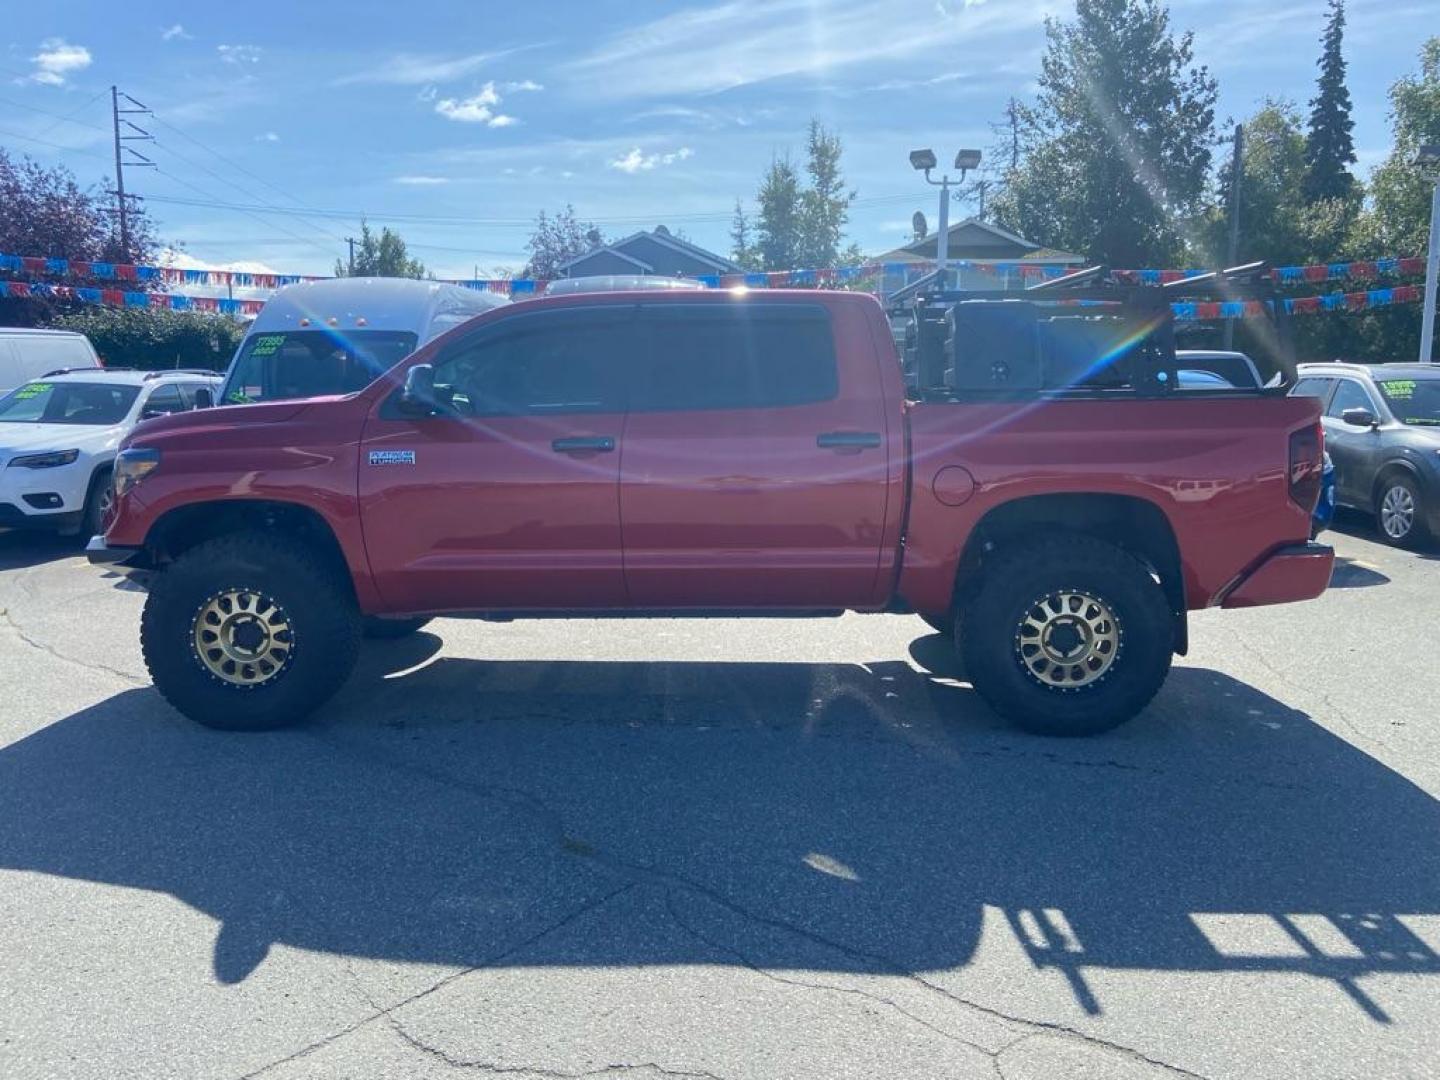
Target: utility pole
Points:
(980, 186)
(1232, 252)
(351, 241)
(1429, 162)
(136, 160)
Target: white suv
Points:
(59, 435)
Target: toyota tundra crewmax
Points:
(1025, 474)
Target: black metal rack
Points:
(1083, 333)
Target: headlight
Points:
(132, 466)
(45, 461)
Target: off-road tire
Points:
(324, 620)
(1014, 583)
(377, 629)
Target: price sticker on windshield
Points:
(267, 344)
(31, 390)
(1398, 389)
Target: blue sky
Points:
(457, 121)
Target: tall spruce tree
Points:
(1329, 147)
(778, 228)
(824, 204)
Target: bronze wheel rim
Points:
(242, 638)
(1068, 639)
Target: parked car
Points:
(1382, 429)
(1235, 368)
(27, 354)
(702, 452)
(1191, 379)
(318, 338)
(59, 435)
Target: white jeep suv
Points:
(59, 435)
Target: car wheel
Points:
(1400, 515)
(99, 502)
(378, 629)
(249, 632)
(1069, 636)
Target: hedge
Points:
(150, 339)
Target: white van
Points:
(27, 354)
(319, 338)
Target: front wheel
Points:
(1068, 636)
(249, 632)
(1401, 515)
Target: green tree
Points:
(742, 247)
(1272, 175)
(778, 230)
(1115, 153)
(824, 203)
(380, 256)
(1329, 147)
(556, 240)
(1397, 221)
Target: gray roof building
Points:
(656, 252)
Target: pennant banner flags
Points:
(39, 266)
(122, 298)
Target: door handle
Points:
(848, 440)
(578, 444)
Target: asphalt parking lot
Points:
(724, 848)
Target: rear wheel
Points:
(1400, 514)
(379, 629)
(1068, 636)
(249, 632)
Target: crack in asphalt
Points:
(641, 874)
(387, 1011)
(493, 1069)
(50, 650)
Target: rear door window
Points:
(740, 356)
(1313, 386)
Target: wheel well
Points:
(183, 528)
(1389, 469)
(1131, 524)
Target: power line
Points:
(263, 221)
(60, 118)
(53, 145)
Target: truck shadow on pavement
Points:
(20, 549)
(785, 816)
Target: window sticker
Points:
(1399, 389)
(35, 389)
(267, 344)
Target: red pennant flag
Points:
(33, 265)
(126, 272)
(113, 297)
(19, 288)
(1401, 294)
(80, 269)
(1317, 273)
(1412, 266)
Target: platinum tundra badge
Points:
(392, 457)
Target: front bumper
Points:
(102, 554)
(1299, 572)
(14, 517)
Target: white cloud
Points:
(57, 59)
(175, 33)
(422, 181)
(418, 69)
(638, 161)
(476, 109)
(724, 46)
(523, 84)
(239, 54)
(268, 136)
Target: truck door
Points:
(509, 498)
(754, 469)
(1354, 449)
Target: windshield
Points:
(313, 363)
(98, 404)
(1413, 401)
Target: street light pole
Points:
(924, 161)
(1429, 157)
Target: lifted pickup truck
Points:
(702, 453)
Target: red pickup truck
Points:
(707, 453)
